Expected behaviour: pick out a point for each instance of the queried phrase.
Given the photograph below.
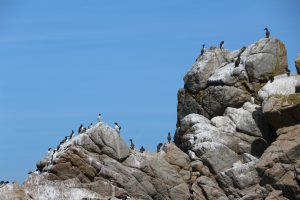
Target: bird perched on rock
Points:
(90, 126)
(169, 137)
(267, 33)
(99, 117)
(203, 49)
(142, 149)
(80, 128)
(49, 151)
(158, 147)
(131, 144)
(237, 61)
(71, 135)
(57, 148)
(222, 44)
(288, 72)
(64, 140)
(117, 127)
(53, 155)
(271, 79)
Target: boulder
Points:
(282, 85)
(109, 141)
(13, 191)
(217, 98)
(282, 110)
(279, 163)
(239, 178)
(211, 188)
(203, 68)
(250, 120)
(265, 58)
(188, 104)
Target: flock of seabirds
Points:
(82, 130)
(238, 60)
(117, 126)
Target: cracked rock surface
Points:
(237, 137)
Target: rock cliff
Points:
(237, 137)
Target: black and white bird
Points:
(158, 147)
(71, 135)
(267, 33)
(99, 117)
(202, 50)
(131, 144)
(142, 149)
(117, 127)
(64, 140)
(80, 128)
(53, 155)
(237, 61)
(169, 137)
(49, 150)
(57, 148)
(90, 126)
(271, 79)
(288, 72)
(222, 44)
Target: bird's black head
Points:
(266, 29)
(203, 45)
(66, 137)
(91, 123)
(49, 149)
(99, 114)
(116, 123)
(130, 140)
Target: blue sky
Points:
(62, 62)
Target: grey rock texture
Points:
(265, 58)
(237, 137)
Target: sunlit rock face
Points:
(228, 116)
(237, 137)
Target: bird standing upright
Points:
(202, 50)
(131, 144)
(237, 61)
(169, 137)
(158, 147)
(117, 127)
(142, 149)
(222, 44)
(267, 33)
(99, 117)
(71, 135)
(80, 129)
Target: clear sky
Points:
(62, 62)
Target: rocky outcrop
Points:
(214, 83)
(237, 137)
(234, 115)
(279, 166)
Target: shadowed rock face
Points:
(226, 144)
